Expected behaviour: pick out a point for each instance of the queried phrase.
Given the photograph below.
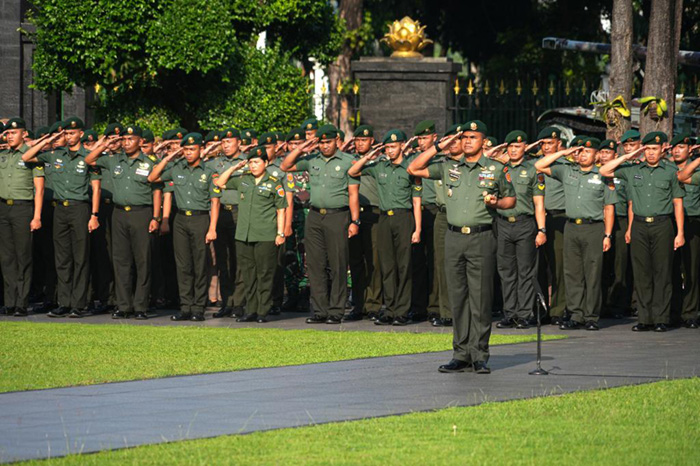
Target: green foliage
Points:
(157, 119)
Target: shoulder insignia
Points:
(280, 190)
(217, 190)
(39, 167)
(508, 177)
(274, 178)
(153, 158)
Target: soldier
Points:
(329, 224)
(260, 230)
(195, 225)
(250, 137)
(591, 212)
(687, 259)
(73, 218)
(519, 232)
(399, 223)
(364, 262)
(310, 127)
(89, 139)
(136, 217)
(21, 198)
(475, 187)
(656, 194)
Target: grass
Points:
(34, 355)
(637, 425)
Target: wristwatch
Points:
(280, 234)
(608, 236)
(437, 145)
(542, 230)
(157, 219)
(356, 222)
(95, 214)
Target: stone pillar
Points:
(400, 92)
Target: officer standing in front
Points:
(475, 188)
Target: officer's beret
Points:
(577, 141)
(364, 131)
(2, 127)
(212, 136)
(89, 135)
(230, 133)
(133, 130)
(179, 132)
(42, 131)
(73, 123)
(394, 135)
(631, 135)
(280, 135)
(113, 129)
(454, 129)
(608, 144)
(683, 138)
(414, 144)
(341, 134)
(550, 132)
(268, 138)
(655, 137)
(516, 136)
(475, 125)
(311, 123)
(491, 141)
(591, 143)
(191, 139)
(15, 123)
(246, 141)
(257, 153)
(296, 134)
(425, 127)
(327, 132)
(56, 127)
(148, 135)
(250, 134)
(30, 134)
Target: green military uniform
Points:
(72, 213)
(364, 265)
(396, 190)
(516, 231)
(470, 246)
(193, 189)
(439, 232)
(255, 236)
(652, 191)
(16, 213)
(133, 212)
(586, 195)
(274, 170)
(326, 233)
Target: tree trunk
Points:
(338, 111)
(621, 60)
(660, 70)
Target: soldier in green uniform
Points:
(89, 139)
(334, 217)
(687, 261)
(475, 187)
(195, 225)
(136, 216)
(399, 224)
(21, 198)
(230, 275)
(260, 229)
(656, 195)
(519, 232)
(364, 262)
(310, 127)
(590, 209)
(74, 219)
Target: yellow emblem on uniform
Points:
(473, 126)
(73, 124)
(658, 139)
(14, 124)
(459, 128)
(229, 134)
(297, 136)
(203, 177)
(489, 143)
(117, 130)
(269, 140)
(190, 140)
(554, 134)
(612, 145)
(309, 126)
(216, 138)
(366, 132)
(520, 139)
(179, 135)
(217, 190)
(393, 137)
(130, 130)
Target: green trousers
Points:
(686, 274)
(191, 259)
(517, 265)
(364, 264)
(16, 251)
(101, 262)
(258, 262)
(230, 277)
(583, 270)
(394, 244)
(619, 272)
(470, 263)
(439, 231)
(552, 263)
(71, 242)
(131, 254)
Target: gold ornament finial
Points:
(407, 38)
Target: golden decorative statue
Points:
(407, 38)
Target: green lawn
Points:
(639, 425)
(34, 355)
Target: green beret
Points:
(133, 130)
(113, 129)
(550, 132)
(311, 123)
(341, 134)
(516, 136)
(246, 141)
(414, 144)
(394, 135)
(591, 143)
(655, 137)
(268, 138)
(73, 123)
(42, 131)
(148, 135)
(424, 128)
(230, 133)
(608, 144)
(631, 135)
(179, 132)
(191, 139)
(296, 134)
(683, 138)
(250, 134)
(30, 134)
(15, 123)
(212, 136)
(2, 126)
(56, 127)
(364, 131)
(454, 129)
(491, 141)
(475, 125)
(280, 135)
(565, 142)
(257, 153)
(327, 132)
(89, 135)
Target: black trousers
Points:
(191, 258)
(517, 266)
(686, 274)
(72, 247)
(16, 252)
(364, 264)
(101, 263)
(132, 243)
(551, 263)
(394, 242)
(440, 229)
(44, 266)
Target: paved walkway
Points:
(49, 423)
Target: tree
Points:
(621, 57)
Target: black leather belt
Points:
(392, 212)
(470, 230)
(16, 201)
(654, 219)
(324, 211)
(192, 213)
(556, 211)
(129, 208)
(583, 221)
(516, 218)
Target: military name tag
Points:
(142, 172)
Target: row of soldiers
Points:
(438, 208)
